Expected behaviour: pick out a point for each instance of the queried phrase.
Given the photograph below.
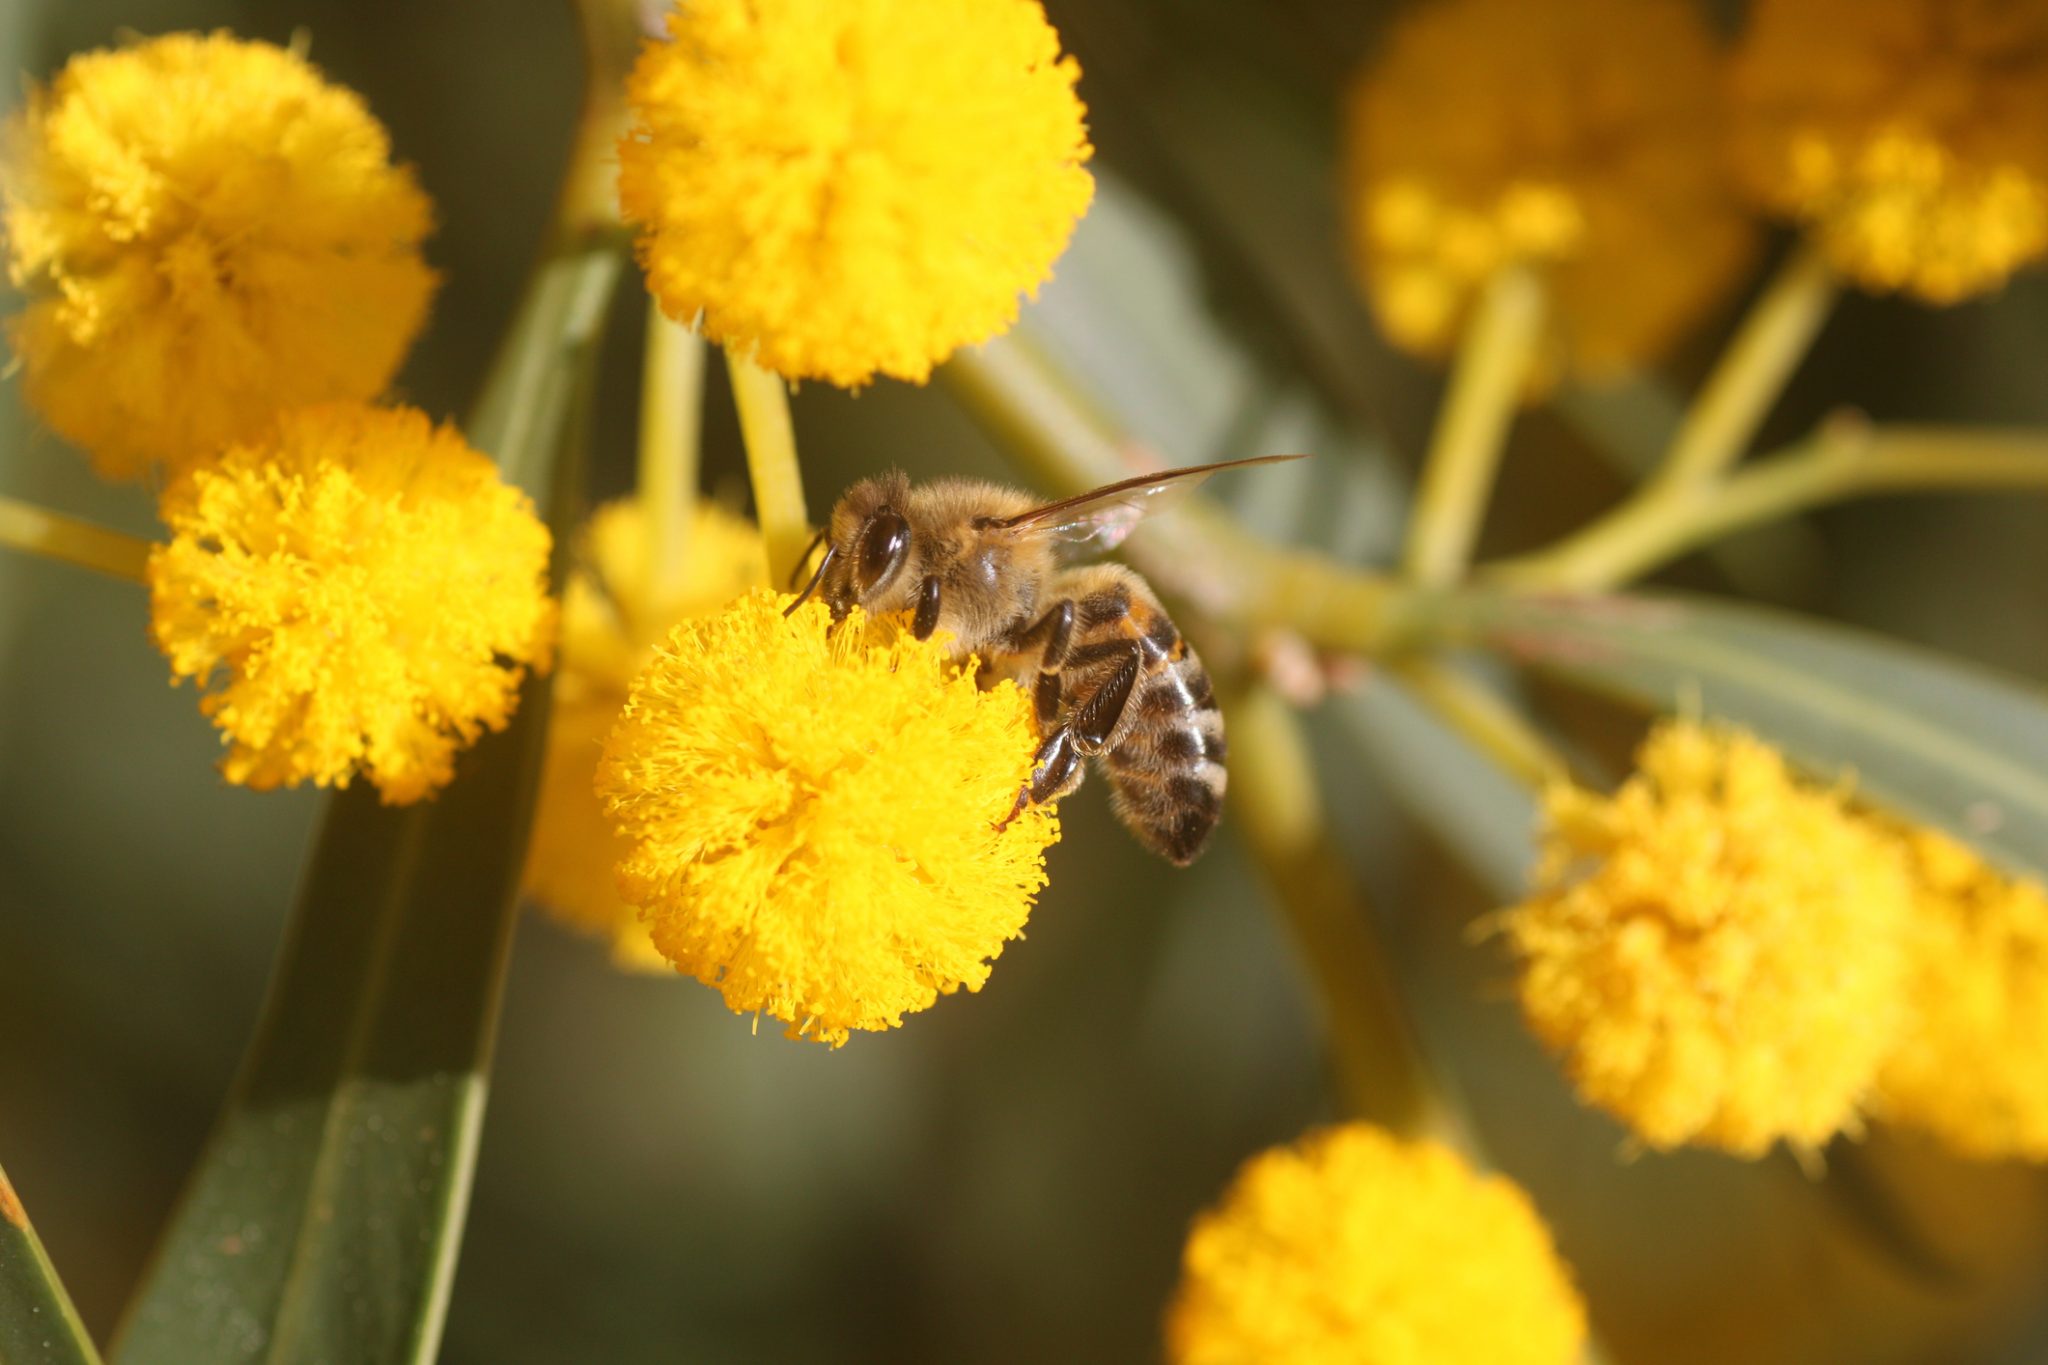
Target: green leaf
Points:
(38, 1325)
(1935, 739)
(322, 1222)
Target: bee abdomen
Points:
(1167, 775)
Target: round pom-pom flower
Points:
(1577, 137)
(1354, 1248)
(1910, 136)
(1717, 949)
(845, 189)
(1971, 1066)
(614, 613)
(358, 592)
(206, 233)
(816, 814)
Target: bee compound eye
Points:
(883, 545)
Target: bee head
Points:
(868, 547)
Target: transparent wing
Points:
(1104, 516)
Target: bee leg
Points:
(1056, 627)
(927, 618)
(1095, 719)
(1055, 770)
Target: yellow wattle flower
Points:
(1351, 1247)
(812, 813)
(206, 233)
(1575, 136)
(1909, 136)
(1971, 1066)
(846, 189)
(358, 592)
(613, 617)
(1718, 949)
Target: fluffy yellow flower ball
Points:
(1910, 136)
(1578, 137)
(1353, 1248)
(1717, 949)
(812, 812)
(358, 592)
(206, 233)
(613, 616)
(845, 189)
(1971, 1066)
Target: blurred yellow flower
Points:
(812, 813)
(1579, 137)
(1971, 1066)
(613, 616)
(1717, 949)
(1910, 136)
(845, 189)
(358, 592)
(206, 233)
(1353, 1248)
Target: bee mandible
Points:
(1109, 674)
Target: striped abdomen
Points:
(1166, 771)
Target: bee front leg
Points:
(1056, 770)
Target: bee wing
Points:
(1104, 516)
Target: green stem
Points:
(38, 1322)
(1837, 463)
(763, 401)
(1492, 726)
(1197, 554)
(1753, 371)
(37, 530)
(1279, 812)
(671, 428)
(1471, 432)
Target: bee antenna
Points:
(804, 558)
(817, 577)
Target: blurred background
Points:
(1008, 1178)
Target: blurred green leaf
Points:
(38, 1325)
(322, 1222)
(1936, 739)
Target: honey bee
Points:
(1110, 676)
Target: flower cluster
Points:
(1910, 135)
(1971, 1066)
(817, 816)
(1576, 137)
(205, 232)
(1727, 955)
(363, 591)
(840, 190)
(1354, 1248)
(615, 612)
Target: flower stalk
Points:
(1752, 372)
(1842, 460)
(1279, 810)
(671, 435)
(763, 401)
(37, 530)
(1493, 366)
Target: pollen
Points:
(613, 616)
(1910, 137)
(1354, 1248)
(1576, 138)
(844, 190)
(356, 592)
(205, 233)
(813, 815)
(1972, 1064)
(1717, 950)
